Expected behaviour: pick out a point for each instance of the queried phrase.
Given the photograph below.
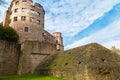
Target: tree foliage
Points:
(8, 34)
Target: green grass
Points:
(29, 77)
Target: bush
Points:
(8, 34)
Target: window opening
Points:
(26, 29)
(16, 10)
(31, 19)
(24, 9)
(31, 10)
(24, 1)
(23, 18)
(38, 21)
(15, 19)
(17, 2)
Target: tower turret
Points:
(59, 41)
(26, 18)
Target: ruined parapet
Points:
(89, 62)
(26, 18)
(59, 41)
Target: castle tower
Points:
(27, 19)
(59, 41)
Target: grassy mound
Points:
(29, 77)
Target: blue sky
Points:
(82, 21)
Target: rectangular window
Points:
(38, 21)
(38, 13)
(23, 18)
(26, 29)
(16, 10)
(31, 19)
(24, 9)
(15, 19)
(31, 11)
(24, 1)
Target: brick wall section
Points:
(8, 58)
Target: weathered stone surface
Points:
(89, 62)
(9, 55)
(24, 58)
(32, 53)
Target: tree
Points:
(8, 34)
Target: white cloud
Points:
(70, 17)
(4, 8)
(106, 36)
(115, 43)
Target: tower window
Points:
(26, 29)
(31, 10)
(15, 19)
(38, 21)
(24, 9)
(38, 13)
(23, 18)
(17, 2)
(31, 19)
(31, 2)
(16, 10)
(24, 1)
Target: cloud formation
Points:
(71, 17)
(108, 36)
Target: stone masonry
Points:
(28, 20)
(34, 44)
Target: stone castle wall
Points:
(9, 55)
(16, 59)
(32, 53)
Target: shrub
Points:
(8, 34)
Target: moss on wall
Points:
(89, 62)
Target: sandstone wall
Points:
(9, 54)
(32, 53)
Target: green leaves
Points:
(8, 34)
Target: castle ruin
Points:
(28, 20)
(34, 44)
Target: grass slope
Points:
(29, 77)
